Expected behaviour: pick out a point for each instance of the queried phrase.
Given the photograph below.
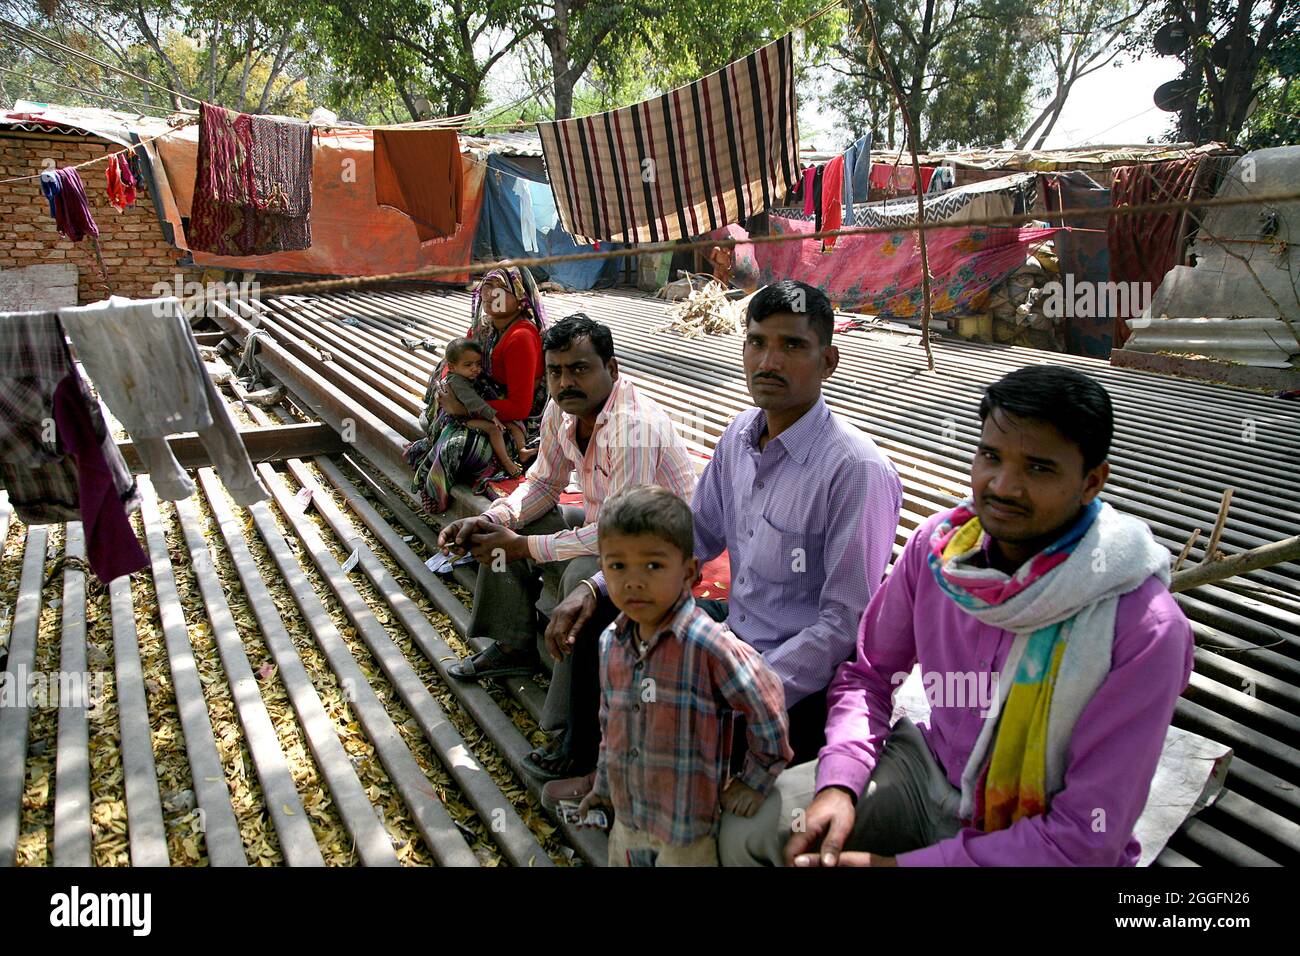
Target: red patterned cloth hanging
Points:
(252, 185)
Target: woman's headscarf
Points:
(519, 281)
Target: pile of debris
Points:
(704, 306)
(1014, 313)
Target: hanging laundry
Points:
(502, 232)
(881, 174)
(859, 180)
(799, 196)
(944, 178)
(58, 460)
(684, 163)
(68, 204)
(817, 197)
(527, 222)
(832, 200)
(50, 187)
(806, 187)
(121, 183)
(419, 172)
(142, 357)
(857, 173)
(898, 179)
(252, 184)
(1143, 248)
(1083, 253)
(1005, 196)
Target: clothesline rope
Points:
(100, 159)
(428, 272)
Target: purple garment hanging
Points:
(72, 209)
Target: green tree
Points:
(962, 65)
(435, 56)
(250, 55)
(1276, 119)
(575, 33)
(1075, 38)
(1238, 52)
(693, 38)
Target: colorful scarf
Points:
(121, 183)
(1061, 607)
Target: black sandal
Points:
(492, 662)
(551, 764)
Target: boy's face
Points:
(645, 574)
(470, 364)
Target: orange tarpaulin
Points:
(351, 234)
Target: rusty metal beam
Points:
(274, 443)
(368, 434)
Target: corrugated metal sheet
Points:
(510, 143)
(1262, 342)
(1178, 444)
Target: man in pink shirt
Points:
(1051, 651)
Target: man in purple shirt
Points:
(1033, 557)
(806, 507)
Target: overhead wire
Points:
(77, 89)
(86, 56)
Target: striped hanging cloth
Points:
(682, 164)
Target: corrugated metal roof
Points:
(1178, 444)
(112, 125)
(1261, 342)
(511, 143)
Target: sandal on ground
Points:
(493, 662)
(547, 764)
(571, 789)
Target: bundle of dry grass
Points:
(706, 311)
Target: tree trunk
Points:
(408, 99)
(281, 57)
(557, 43)
(212, 62)
(248, 68)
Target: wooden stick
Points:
(1217, 533)
(1187, 549)
(913, 142)
(1279, 552)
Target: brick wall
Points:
(135, 253)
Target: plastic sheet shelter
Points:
(351, 234)
(500, 229)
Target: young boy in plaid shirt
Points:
(671, 680)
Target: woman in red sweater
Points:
(508, 323)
